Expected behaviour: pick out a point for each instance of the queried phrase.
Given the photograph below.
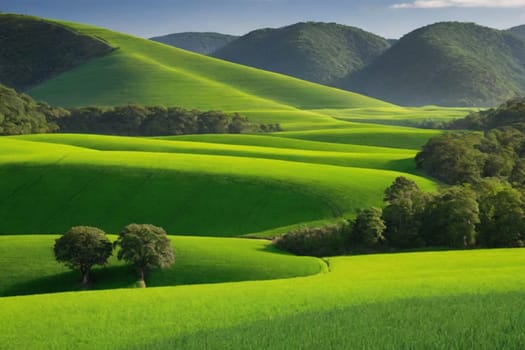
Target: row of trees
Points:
(144, 246)
(20, 114)
(489, 214)
(136, 120)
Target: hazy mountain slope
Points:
(318, 52)
(204, 43)
(520, 30)
(451, 64)
(33, 50)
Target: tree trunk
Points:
(142, 281)
(85, 278)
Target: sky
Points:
(389, 18)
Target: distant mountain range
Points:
(204, 43)
(318, 52)
(449, 64)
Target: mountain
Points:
(204, 43)
(140, 71)
(318, 52)
(449, 64)
(519, 30)
(34, 50)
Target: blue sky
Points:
(389, 18)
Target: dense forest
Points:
(20, 114)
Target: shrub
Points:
(314, 241)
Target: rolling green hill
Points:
(149, 73)
(204, 43)
(34, 50)
(318, 52)
(186, 187)
(450, 64)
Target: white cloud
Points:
(432, 4)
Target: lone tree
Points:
(81, 248)
(146, 247)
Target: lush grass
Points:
(401, 116)
(198, 260)
(370, 135)
(348, 155)
(185, 193)
(441, 300)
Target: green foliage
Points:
(453, 158)
(451, 217)
(146, 247)
(448, 64)
(502, 214)
(19, 114)
(315, 241)
(467, 157)
(205, 43)
(318, 52)
(368, 228)
(82, 247)
(403, 214)
(35, 50)
(155, 121)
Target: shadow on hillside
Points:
(106, 278)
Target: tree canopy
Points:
(82, 247)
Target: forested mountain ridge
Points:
(318, 52)
(449, 64)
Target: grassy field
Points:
(337, 154)
(232, 191)
(439, 300)
(198, 260)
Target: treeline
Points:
(466, 157)
(20, 114)
(488, 214)
(135, 120)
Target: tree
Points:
(81, 248)
(450, 219)
(146, 247)
(402, 215)
(368, 228)
(501, 214)
(453, 158)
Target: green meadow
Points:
(437, 300)
(213, 194)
